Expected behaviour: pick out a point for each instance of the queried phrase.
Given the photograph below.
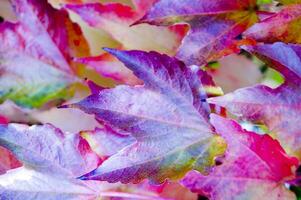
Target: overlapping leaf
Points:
(116, 19)
(214, 25)
(278, 108)
(283, 26)
(254, 167)
(167, 116)
(47, 149)
(35, 54)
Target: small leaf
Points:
(255, 167)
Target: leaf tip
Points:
(88, 176)
(67, 106)
(63, 106)
(68, 6)
(110, 50)
(139, 21)
(247, 47)
(94, 88)
(114, 52)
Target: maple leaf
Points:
(282, 26)
(167, 117)
(47, 149)
(35, 54)
(214, 25)
(255, 167)
(116, 19)
(278, 108)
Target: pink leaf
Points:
(254, 167)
